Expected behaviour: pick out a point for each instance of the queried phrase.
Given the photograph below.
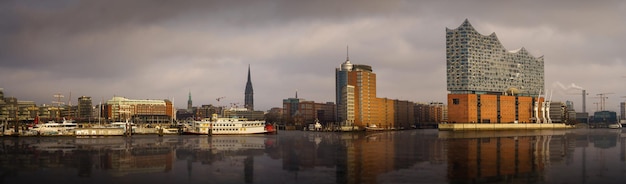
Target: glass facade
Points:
(478, 64)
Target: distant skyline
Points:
(146, 50)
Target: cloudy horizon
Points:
(146, 50)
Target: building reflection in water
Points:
(481, 159)
(230, 158)
(358, 157)
(414, 156)
(119, 157)
(515, 156)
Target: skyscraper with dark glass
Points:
(249, 94)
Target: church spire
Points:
(249, 93)
(248, 72)
(189, 103)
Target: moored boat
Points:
(228, 126)
(615, 125)
(373, 127)
(52, 128)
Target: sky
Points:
(144, 49)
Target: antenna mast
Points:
(347, 53)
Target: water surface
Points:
(411, 156)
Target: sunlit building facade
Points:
(346, 96)
(489, 84)
(12, 109)
(356, 94)
(299, 112)
(358, 105)
(151, 111)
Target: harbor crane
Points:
(603, 98)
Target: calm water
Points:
(412, 156)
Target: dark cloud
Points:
(163, 49)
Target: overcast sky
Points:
(164, 49)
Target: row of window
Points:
(245, 125)
(225, 129)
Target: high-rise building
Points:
(85, 107)
(358, 105)
(489, 84)
(249, 93)
(355, 94)
(479, 64)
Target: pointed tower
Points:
(189, 103)
(249, 94)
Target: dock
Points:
(508, 126)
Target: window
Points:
(455, 101)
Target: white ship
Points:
(615, 126)
(228, 126)
(53, 128)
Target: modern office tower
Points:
(85, 107)
(355, 94)
(249, 93)
(489, 84)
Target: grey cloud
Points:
(159, 49)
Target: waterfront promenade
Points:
(509, 126)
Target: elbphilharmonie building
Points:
(490, 84)
(479, 64)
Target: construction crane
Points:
(220, 98)
(603, 98)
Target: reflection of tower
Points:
(249, 94)
(248, 169)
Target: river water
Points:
(411, 156)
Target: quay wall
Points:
(494, 134)
(523, 126)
